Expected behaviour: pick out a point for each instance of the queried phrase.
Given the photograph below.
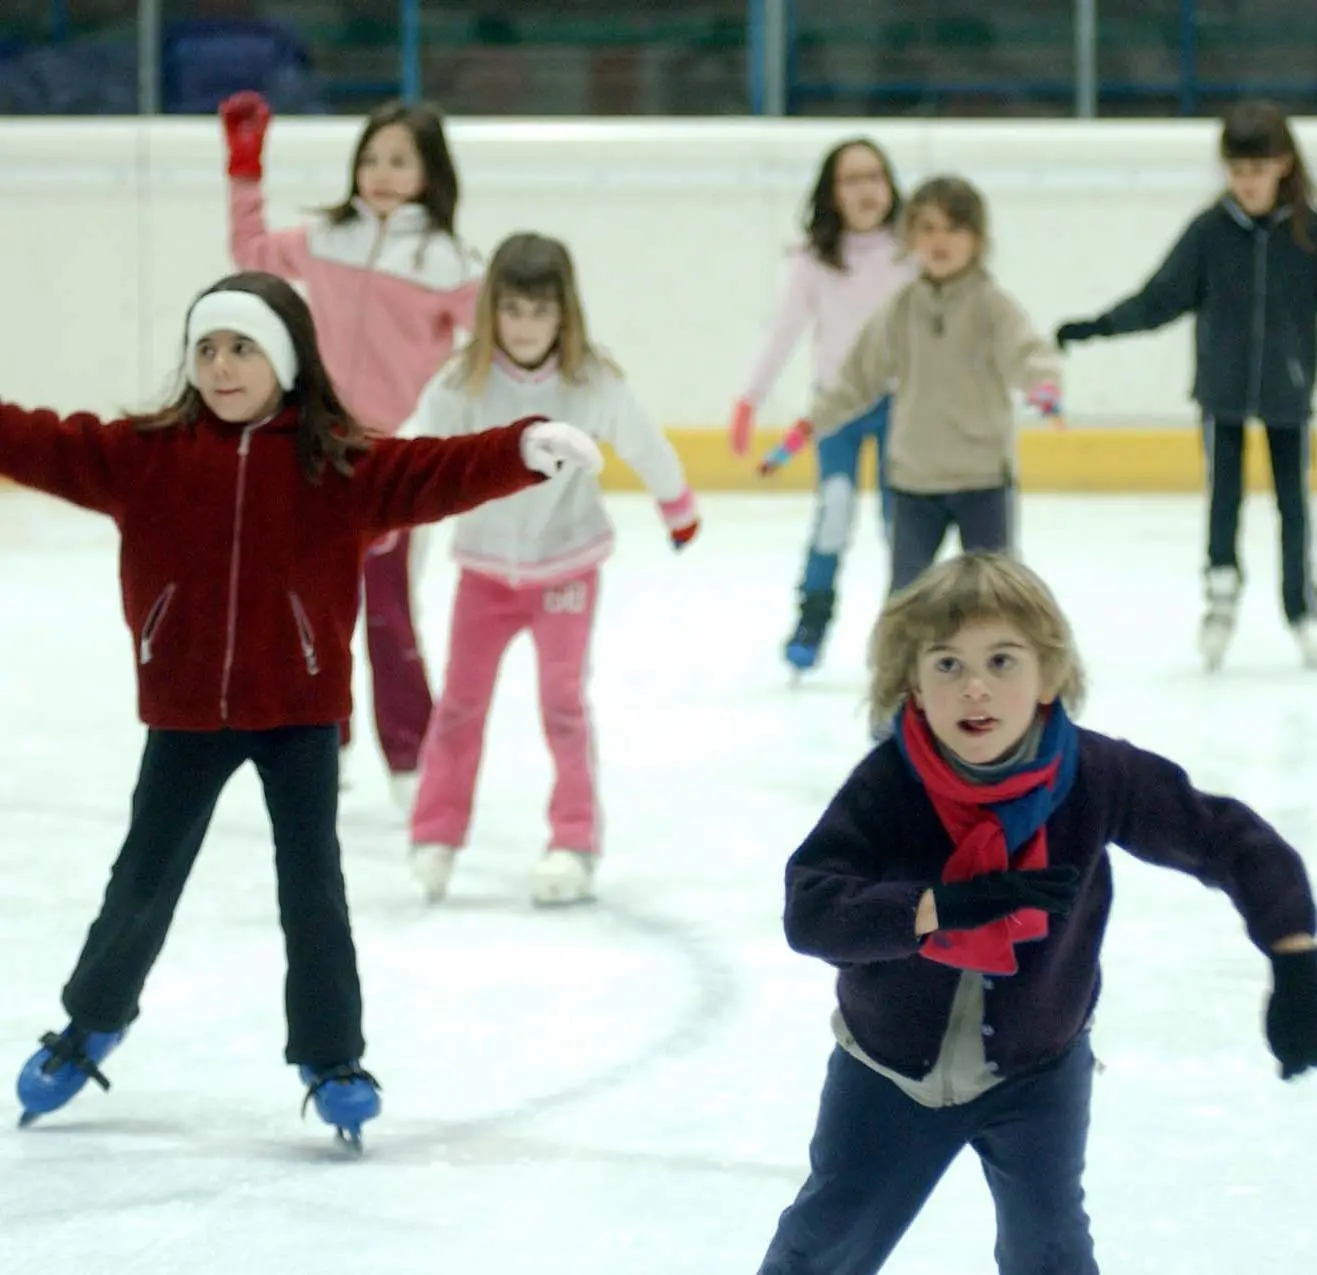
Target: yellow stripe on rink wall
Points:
(1078, 460)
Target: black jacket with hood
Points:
(1253, 289)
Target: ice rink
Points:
(628, 1088)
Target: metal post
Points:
(148, 57)
(775, 48)
(754, 54)
(1188, 57)
(409, 20)
(1086, 55)
(59, 21)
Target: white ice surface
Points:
(626, 1089)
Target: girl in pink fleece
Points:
(388, 282)
(532, 561)
(851, 262)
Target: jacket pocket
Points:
(305, 634)
(155, 617)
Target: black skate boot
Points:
(803, 646)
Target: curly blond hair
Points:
(973, 588)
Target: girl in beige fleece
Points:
(951, 347)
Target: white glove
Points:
(547, 446)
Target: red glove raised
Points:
(245, 117)
(681, 518)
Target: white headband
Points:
(247, 315)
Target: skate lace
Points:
(68, 1048)
(343, 1073)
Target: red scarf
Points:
(973, 814)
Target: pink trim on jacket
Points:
(386, 296)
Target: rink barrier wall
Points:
(681, 231)
(1074, 460)
(1077, 460)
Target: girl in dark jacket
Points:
(1247, 268)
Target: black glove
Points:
(1082, 330)
(1292, 1012)
(967, 905)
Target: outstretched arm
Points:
(77, 458)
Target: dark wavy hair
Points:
(822, 221)
(328, 435)
(425, 123)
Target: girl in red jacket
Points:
(388, 282)
(245, 509)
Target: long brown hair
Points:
(1261, 130)
(540, 269)
(822, 223)
(426, 125)
(327, 433)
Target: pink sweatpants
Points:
(487, 615)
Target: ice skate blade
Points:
(28, 1118)
(349, 1140)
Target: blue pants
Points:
(877, 1154)
(839, 464)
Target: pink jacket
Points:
(386, 296)
(837, 303)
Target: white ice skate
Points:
(402, 791)
(562, 877)
(1218, 627)
(432, 866)
(1305, 632)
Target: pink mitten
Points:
(742, 428)
(1045, 399)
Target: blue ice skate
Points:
(803, 646)
(346, 1096)
(56, 1073)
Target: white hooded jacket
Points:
(558, 529)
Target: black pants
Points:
(920, 523)
(1288, 444)
(876, 1156)
(182, 776)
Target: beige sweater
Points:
(950, 354)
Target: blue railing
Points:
(1204, 51)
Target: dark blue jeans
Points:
(839, 467)
(876, 1156)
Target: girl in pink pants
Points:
(388, 282)
(531, 562)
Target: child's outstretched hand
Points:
(245, 116)
(792, 442)
(547, 446)
(1292, 1011)
(681, 518)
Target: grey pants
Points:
(985, 520)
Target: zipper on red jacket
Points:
(154, 619)
(305, 634)
(231, 621)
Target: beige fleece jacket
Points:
(950, 354)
